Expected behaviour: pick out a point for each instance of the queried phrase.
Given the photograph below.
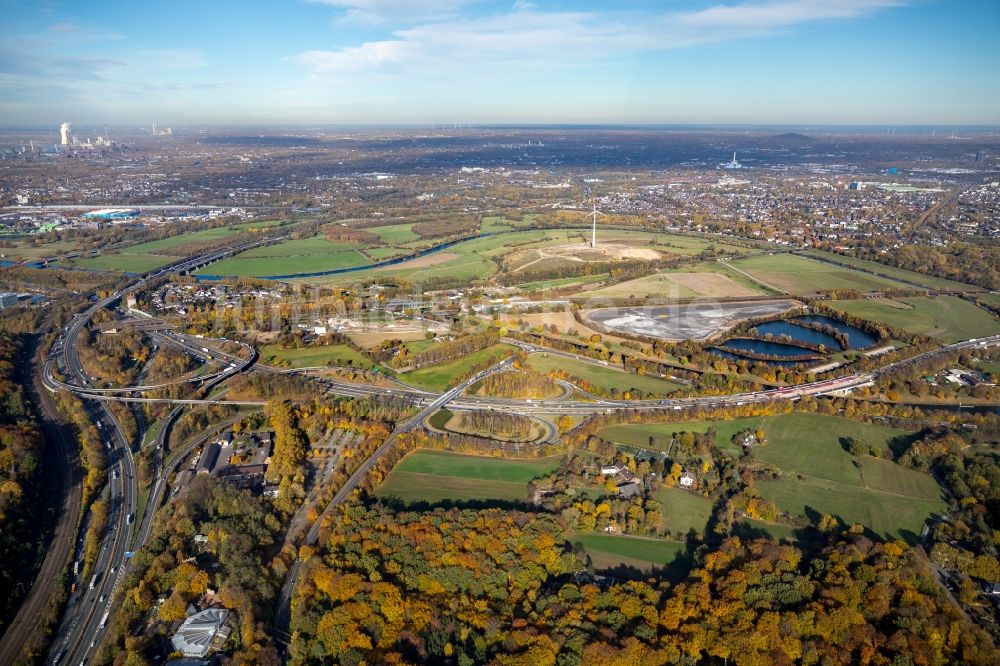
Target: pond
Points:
(764, 347)
(798, 334)
(856, 338)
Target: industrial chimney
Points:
(64, 133)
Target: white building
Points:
(200, 631)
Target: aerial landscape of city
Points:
(523, 333)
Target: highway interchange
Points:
(89, 609)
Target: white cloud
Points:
(527, 36)
(389, 11)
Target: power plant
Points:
(64, 133)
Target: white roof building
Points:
(195, 636)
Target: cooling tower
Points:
(64, 133)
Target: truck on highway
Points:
(93, 580)
(76, 567)
(104, 620)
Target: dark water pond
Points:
(764, 347)
(799, 334)
(856, 338)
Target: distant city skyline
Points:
(796, 62)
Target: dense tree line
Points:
(175, 569)
(966, 540)
(502, 424)
(963, 262)
(21, 450)
(519, 385)
(506, 588)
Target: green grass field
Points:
(891, 271)
(608, 550)
(128, 263)
(683, 511)
(163, 245)
(673, 284)
(300, 247)
(564, 282)
(638, 435)
(776, 530)
(799, 275)
(443, 376)
(308, 357)
(417, 346)
(241, 266)
(948, 318)
(395, 234)
(888, 515)
(603, 376)
(380, 253)
(433, 476)
(819, 475)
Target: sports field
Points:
(433, 476)
(309, 357)
(443, 376)
(683, 511)
(819, 476)
(929, 281)
(799, 275)
(948, 318)
(603, 376)
(610, 550)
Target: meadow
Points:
(948, 318)
(608, 551)
(605, 377)
(434, 476)
(147, 256)
(798, 275)
(683, 511)
(638, 436)
(443, 376)
(394, 234)
(928, 281)
(675, 285)
(817, 474)
(309, 357)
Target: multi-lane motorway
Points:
(89, 610)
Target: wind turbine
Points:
(593, 214)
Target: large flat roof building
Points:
(196, 636)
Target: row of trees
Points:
(446, 351)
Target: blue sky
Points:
(891, 62)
